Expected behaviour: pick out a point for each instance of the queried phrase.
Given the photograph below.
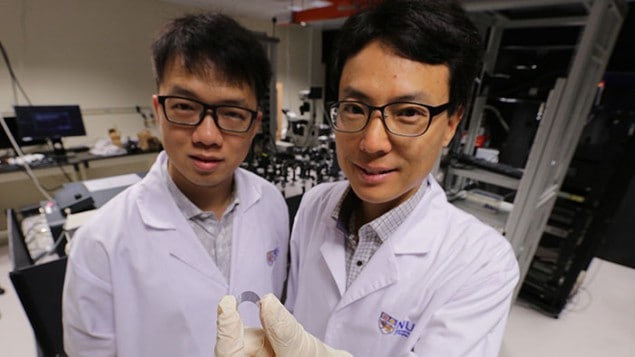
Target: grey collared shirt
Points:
(214, 234)
(362, 245)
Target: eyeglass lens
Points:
(400, 118)
(189, 112)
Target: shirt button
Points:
(359, 263)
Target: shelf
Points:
(486, 176)
(493, 218)
(541, 136)
(556, 231)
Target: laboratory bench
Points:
(17, 189)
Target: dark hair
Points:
(426, 31)
(213, 39)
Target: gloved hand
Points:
(232, 339)
(287, 337)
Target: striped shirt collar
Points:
(384, 225)
(185, 205)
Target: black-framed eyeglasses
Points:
(191, 112)
(400, 118)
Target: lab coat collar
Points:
(429, 217)
(382, 270)
(334, 254)
(248, 193)
(157, 207)
(157, 210)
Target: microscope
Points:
(301, 131)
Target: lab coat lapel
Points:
(382, 269)
(164, 222)
(380, 272)
(428, 217)
(248, 194)
(333, 253)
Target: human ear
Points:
(453, 124)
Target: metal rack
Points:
(565, 109)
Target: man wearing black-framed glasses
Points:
(145, 276)
(191, 112)
(381, 264)
(400, 118)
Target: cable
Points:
(273, 26)
(66, 175)
(574, 300)
(27, 167)
(575, 303)
(498, 116)
(14, 79)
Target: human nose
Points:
(207, 131)
(375, 137)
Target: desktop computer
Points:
(50, 123)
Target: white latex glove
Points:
(232, 339)
(287, 337)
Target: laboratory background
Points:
(545, 153)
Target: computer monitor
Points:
(51, 122)
(12, 124)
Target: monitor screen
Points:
(5, 143)
(51, 121)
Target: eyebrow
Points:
(184, 92)
(181, 91)
(351, 92)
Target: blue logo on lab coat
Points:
(272, 255)
(389, 325)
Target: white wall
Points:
(300, 65)
(95, 53)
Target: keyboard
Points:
(496, 167)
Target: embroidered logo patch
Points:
(389, 325)
(272, 255)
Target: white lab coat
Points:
(139, 282)
(440, 285)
